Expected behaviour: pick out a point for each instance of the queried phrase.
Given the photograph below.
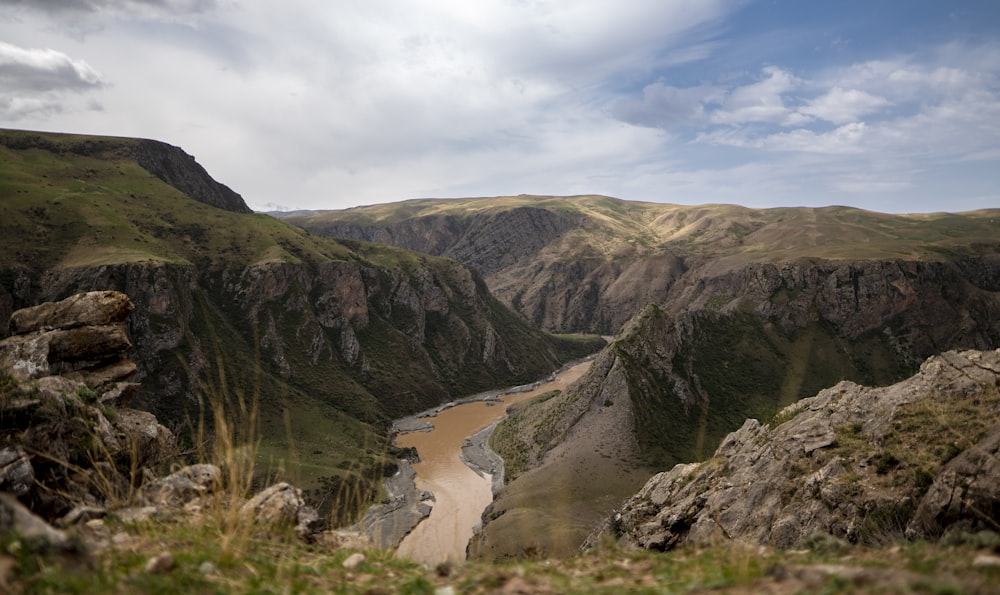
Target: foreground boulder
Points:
(282, 505)
(916, 459)
(69, 438)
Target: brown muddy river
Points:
(460, 494)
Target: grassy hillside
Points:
(612, 225)
(65, 209)
(329, 340)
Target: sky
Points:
(886, 105)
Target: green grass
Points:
(278, 563)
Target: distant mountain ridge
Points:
(587, 263)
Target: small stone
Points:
(137, 514)
(354, 560)
(207, 568)
(160, 564)
(121, 539)
(986, 561)
(82, 514)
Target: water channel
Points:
(460, 494)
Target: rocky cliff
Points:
(917, 459)
(73, 452)
(69, 436)
(732, 335)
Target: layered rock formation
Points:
(69, 437)
(916, 459)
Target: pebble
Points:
(354, 560)
(986, 561)
(160, 564)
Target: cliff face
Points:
(376, 343)
(726, 346)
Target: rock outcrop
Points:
(69, 437)
(916, 459)
(72, 451)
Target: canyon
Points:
(716, 314)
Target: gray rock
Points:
(82, 514)
(282, 504)
(87, 343)
(966, 491)
(778, 486)
(16, 473)
(160, 563)
(16, 518)
(186, 485)
(277, 504)
(148, 441)
(82, 309)
(25, 357)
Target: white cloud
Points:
(36, 69)
(322, 104)
(42, 82)
(762, 101)
(849, 138)
(842, 106)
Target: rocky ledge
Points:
(917, 459)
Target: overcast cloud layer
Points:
(300, 104)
